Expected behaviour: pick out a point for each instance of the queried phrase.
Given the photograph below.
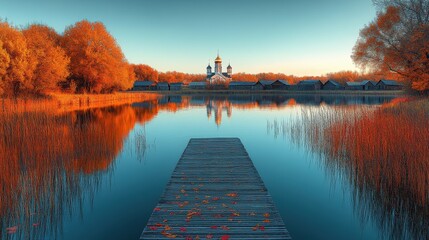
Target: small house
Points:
(176, 86)
(368, 85)
(266, 84)
(162, 86)
(332, 85)
(309, 85)
(364, 85)
(354, 86)
(389, 85)
(257, 86)
(143, 86)
(236, 85)
(197, 85)
(280, 85)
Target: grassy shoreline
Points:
(59, 102)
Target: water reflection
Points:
(382, 153)
(217, 105)
(53, 162)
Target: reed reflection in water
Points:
(55, 161)
(383, 153)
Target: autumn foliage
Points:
(97, 63)
(145, 72)
(14, 61)
(37, 60)
(47, 59)
(397, 41)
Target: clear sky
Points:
(299, 37)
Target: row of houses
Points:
(305, 85)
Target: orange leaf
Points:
(233, 194)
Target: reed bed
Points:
(54, 159)
(383, 153)
(59, 103)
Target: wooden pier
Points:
(215, 192)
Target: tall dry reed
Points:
(382, 152)
(51, 160)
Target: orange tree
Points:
(97, 64)
(145, 72)
(15, 71)
(49, 59)
(397, 41)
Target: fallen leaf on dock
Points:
(225, 228)
(232, 194)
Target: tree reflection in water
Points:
(53, 162)
(383, 153)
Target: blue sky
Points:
(299, 37)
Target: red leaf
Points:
(182, 229)
(225, 228)
(224, 237)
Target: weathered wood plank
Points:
(215, 192)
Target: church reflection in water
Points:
(57, 160)
(217, 105)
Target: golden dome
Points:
(218, 59)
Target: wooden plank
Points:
(215, 192)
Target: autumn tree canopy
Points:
(397, 41)
(97, 63)
(48, 58)
(145, 72)
(173, 76)
(15, 72)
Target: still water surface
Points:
(108, 188)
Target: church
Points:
(218, 75)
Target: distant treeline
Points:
(147, 73)
(86, 57)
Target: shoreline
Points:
(279, 92)
(59, 102)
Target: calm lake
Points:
(98, 174)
